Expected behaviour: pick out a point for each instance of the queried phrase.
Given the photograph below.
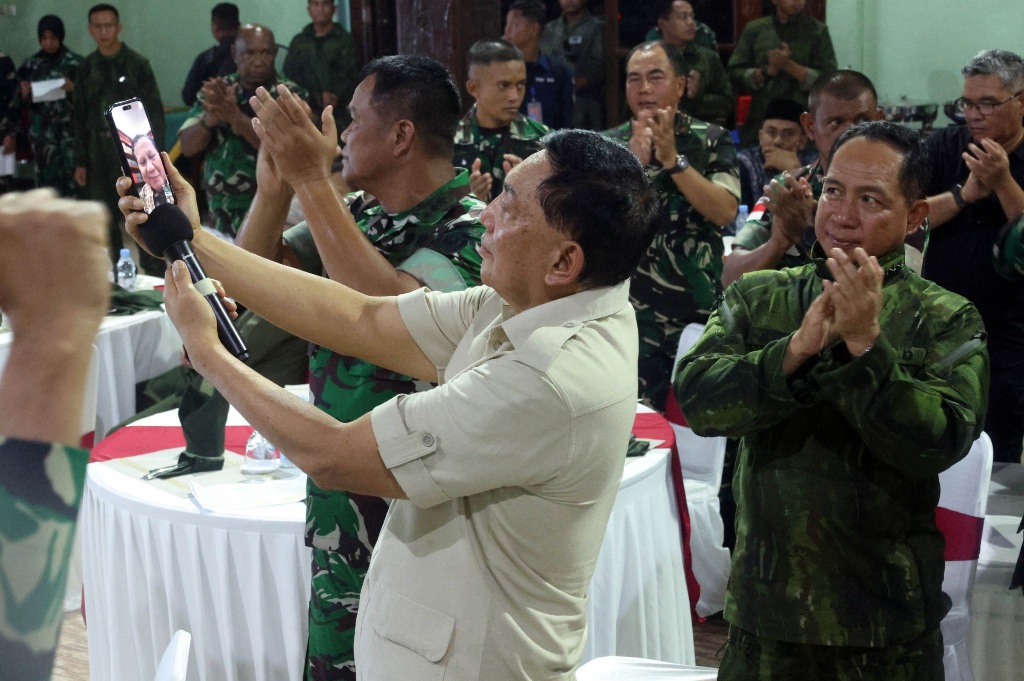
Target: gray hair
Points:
(1007, 65)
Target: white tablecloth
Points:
(239, 583)
(131, 349)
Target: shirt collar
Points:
(574, 310)
(892, 263)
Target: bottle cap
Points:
(744, 208)
(125, 253)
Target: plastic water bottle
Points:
(741, 219)
(126, 271)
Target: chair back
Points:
(701, 458)
(960, 517)
(174, 663)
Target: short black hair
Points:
(421, 90)
(844, 84)
(104, 7)
(484, 52)
(225, 15)
(674, 54)
(1007, 65)
(599, 195)
(531, 9)
(915, 171)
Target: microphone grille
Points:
(166, 226)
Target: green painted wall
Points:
(169, 33)
(916, 48)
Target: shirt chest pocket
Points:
(409, 640)
(911, 359)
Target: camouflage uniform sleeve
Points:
(300, 240)
(40, 492)
(194, 114)
(723, 168)
(1008, 252)
(716, 101)
(755, 231)
(935, 413)
(713, 381)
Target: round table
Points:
(238, 582)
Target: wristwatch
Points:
(682, 163)
(958, 197)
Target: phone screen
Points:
(140, 158)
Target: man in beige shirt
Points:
(505, 474)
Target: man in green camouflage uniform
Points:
(779, 57)
(113, 73)
(414, 224)
(708, 93)
(219, 124)
(705, 37)
(322, 59)
(780, 229)
(54, 320)
(493, 128)
(852, 382)
(50, 130)
(693, 167)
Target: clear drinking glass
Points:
(262, 458)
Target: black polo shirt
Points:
(959, 255)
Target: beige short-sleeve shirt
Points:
(511, 466)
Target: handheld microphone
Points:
(169, 231)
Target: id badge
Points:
(534, 111)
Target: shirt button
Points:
(495, 345)
(569, 325)
(428, 440)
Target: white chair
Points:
(174, 663)
(962, 504)
(701, 460)
(636, 669)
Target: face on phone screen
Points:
(138, 147)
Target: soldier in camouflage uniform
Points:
(693, 167)
(395, 235)
(322, 59)
(578, 37)
(779, 56)
(708, 93)
(780, 229)
(493, 127)
(219, 124)
(113, 73)
(50, 128)
(853, 382)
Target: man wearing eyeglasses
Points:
(976, 188)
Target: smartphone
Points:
(137, 148)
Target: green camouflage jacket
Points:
(324, 64)
(99, 82)
(679, 278)
(230, 174)
(40, 492)
(520, 138)
(810, 45)
(50, 129)
(836, 479)
(714, 101)
(436, 243)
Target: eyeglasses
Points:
(984, 108)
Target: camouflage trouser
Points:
(749, 658)
(333, 604)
